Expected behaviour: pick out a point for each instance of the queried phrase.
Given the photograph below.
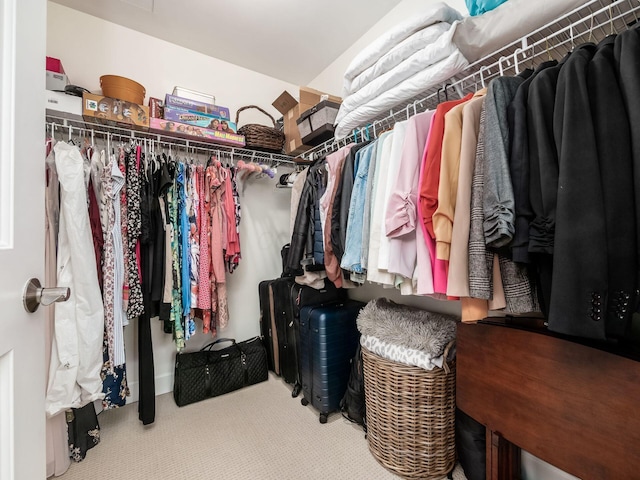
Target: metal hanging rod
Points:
(590, 22)
(81, 127)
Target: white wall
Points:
(90, 47)
(330, 80)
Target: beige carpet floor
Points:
(257, 433)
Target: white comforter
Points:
(439, 12)
(405, 49)
(408, 88)
(425, 57)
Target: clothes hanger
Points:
(482, 76)
(500, 68)
(546, 42)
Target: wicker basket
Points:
(261, 137)
(411, 416)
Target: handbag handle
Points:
(255, 106)
(220, 340)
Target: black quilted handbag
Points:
(209, 373)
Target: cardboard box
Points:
(204, 120)
(195, 106)
(111, 111)
(62, 105)
(196, 133)
(310, 97)
(291, 109)
(56, 81)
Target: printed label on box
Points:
(91, 105)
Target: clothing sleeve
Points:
(498, 204)
(428, 191)
(519, 171)
(543, 162)
(448, 185)
(300, 228)
(402, 210)
(480, 261)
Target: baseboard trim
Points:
(164, 384)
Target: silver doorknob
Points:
(34, 295)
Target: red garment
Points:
(96, 229)
(233, 241)
(428, 195)
(204, 282)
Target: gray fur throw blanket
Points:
(407, 326)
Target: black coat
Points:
(519, 166)
(613, 140)
(543, 178)
(304, 227)
(580, 276)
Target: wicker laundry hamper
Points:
(261, 137)
(411, 416)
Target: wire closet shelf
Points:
(589, 23)
(77, 127)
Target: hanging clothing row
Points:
(135, 236)
(494, 198)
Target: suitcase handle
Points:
(220, 340)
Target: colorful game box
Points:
(195, 106)
(197, 133)
(205, 120)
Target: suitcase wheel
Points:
(323, 418)
(296, 390)
(304, 402)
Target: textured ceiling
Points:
(292, 40)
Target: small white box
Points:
(68, 106)
(193, 95)
(56, 81)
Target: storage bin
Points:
(316, 124)
(411, 416)
(122, 88)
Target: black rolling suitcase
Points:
(287, 299)
(282, 312)
(267, 327)
(328, 341)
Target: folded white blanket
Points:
(419, 61)
(418, 83)
(438, 12)
(416, 42)
(400, 354)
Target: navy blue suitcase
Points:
(328, 341)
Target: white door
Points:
(22, 366)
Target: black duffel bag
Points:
(209, 373)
